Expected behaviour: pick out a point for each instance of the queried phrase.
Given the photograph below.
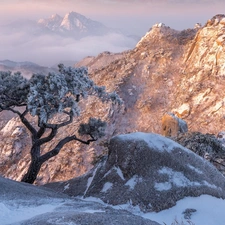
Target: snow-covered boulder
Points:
(149, 171)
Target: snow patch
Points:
(210, 185)
(154, 141)
(93, 211)
(106, 174)
(209, 211)
(133, 181)
(90, 179)
(119, 172)
(195, 169)
(163, 186)
(66, 187)
(175, 178)
(106, 187)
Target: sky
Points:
(133, 17)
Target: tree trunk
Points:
(34, 166)
(33, 171)
(37, 160)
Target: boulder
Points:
(146, 170)
(173, 125)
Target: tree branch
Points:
(41, 131)
(55, 151)
(22, 118)
(11, 109)
(13, 101)
(52, 126)
(48, 138)
(27, 123)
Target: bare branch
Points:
(52, 126)
(48, 138)
(27, 123)
(41, 131)
(59, 146)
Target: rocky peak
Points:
(216, 20)
(73, 21)
(157, 31)
(51, 23)
(197, 26)
(56, 17)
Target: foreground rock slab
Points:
(149, 171)
(24, 204)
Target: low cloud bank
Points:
(47, 49)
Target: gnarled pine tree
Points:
(45, 97)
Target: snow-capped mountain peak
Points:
(74, 24)
(73, 21)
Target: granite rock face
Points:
(146, 170)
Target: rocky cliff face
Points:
(168, 71)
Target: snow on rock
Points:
(106, 187)
(133, 181)
(158, 25)
(154, 173)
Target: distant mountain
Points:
(26, 68)
(52, 23)
(74, 24)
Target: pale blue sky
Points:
(133, 16)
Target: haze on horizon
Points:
(133, 17)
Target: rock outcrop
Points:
(146, 170)
(173, 125)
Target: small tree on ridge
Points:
(45, 97)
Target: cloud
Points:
(48, 50)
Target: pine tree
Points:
(45, 96)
